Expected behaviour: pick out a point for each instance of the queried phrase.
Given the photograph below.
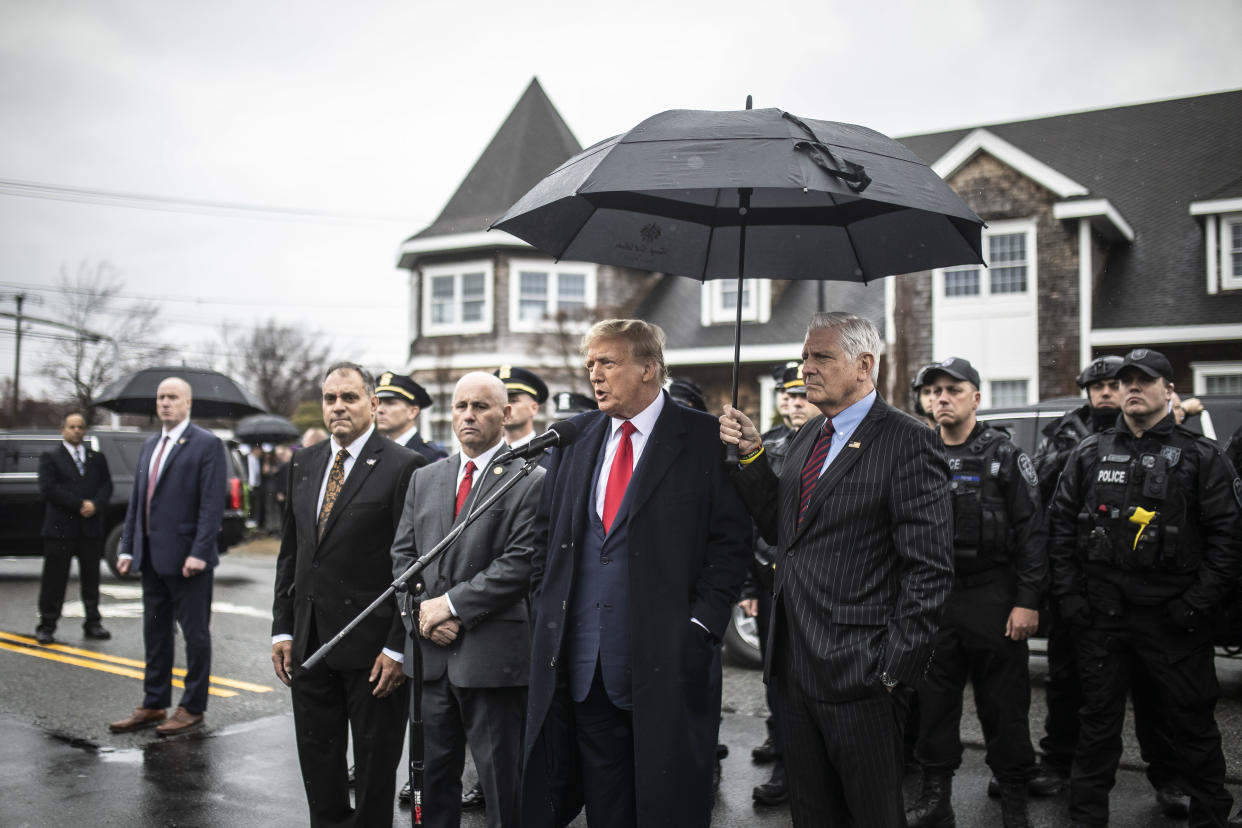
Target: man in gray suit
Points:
(473, 620)
(860, 515)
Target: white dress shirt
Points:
(77, 452)
(643, 423)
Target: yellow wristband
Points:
(752, 457)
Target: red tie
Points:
(155, 478)
(619, 475)
(814, 464)
(463, 490)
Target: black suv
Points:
(21, 505)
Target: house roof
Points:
(533, 141)
(1150, 162)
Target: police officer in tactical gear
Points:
(1145, 540)
(1062, 693)
(1000, 572)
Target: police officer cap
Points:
(920, 378)
(687, 392)
(520, 381)
(569, 403)
(1101, 368)
(791, 379)
(392, 385)
(1152, 363)
(955, 367)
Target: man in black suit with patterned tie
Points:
(76, 486)
(861, 518)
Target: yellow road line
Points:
(99, 661)
(104, 668)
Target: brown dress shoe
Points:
(181, 721)
(143, 717)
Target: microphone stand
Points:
(400, 584)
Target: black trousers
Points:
(187, 601)
(971, 646)
(58, 554)
(605, 735)
(1116, 654)
(491, 720)
(763, 620)
(1063, 697)
(844, 760)
(328, 706)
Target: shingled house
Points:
(1107, 230)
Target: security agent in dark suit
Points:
(473, 620)
(1000, 573)
(1146, 541)
(344, 503)
(170, 537)
(641, 546)
(861, 518)
(76, 487)
(396, 415)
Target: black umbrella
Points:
(716, 195)
(214, 394)
(266, 428)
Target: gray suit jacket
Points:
(485, 573)
(860, 583)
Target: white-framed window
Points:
(1008, 256)
(540, 290)
(1231, 252)
(1216, 377)
(1008, 393)
(457, 298)
(719, 298)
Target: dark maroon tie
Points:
(154, 478)
(814, 463)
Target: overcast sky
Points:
(375, 110)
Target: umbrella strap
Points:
(854, 176)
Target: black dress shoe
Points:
(96, 631)
(775, 791)
(44, 635)
(721, 751)
(1173, 801)
(473, 798)
(765, 753)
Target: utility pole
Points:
(17, 358)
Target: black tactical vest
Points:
(980, 519)
(1135, 513)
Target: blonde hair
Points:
(646, 340)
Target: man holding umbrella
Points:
(861, 518)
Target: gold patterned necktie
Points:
(336, 479)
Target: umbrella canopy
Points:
(214, 394)
(759, 193)
(266, 428)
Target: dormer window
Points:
(457, 299)
(544, 295)
(719, 300)
(1222, 237)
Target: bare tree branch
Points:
(280, 363)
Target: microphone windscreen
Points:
(566, 431)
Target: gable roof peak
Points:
(533, 140)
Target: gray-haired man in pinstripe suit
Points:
(861, 518)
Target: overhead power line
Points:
(173, 204)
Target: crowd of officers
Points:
(1120, 539)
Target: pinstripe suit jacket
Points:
(860, 583)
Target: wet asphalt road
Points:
(59, 765)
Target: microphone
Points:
(558, 434)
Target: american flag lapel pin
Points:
(370, 461)
(855, 444)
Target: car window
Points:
(18, 456)
(124, 453)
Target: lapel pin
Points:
(498, 471)
(855, 444)
(370, 461)
(181, 442)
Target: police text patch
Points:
(1114, 476)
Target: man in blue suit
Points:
(640, 549)
(170, 532)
